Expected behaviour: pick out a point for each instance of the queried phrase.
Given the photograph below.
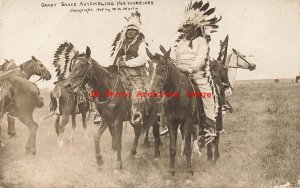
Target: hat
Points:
(134, 22)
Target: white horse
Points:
(234, 61)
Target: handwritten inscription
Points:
(98, 6)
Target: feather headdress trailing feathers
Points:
(64, 58)
(201, 16)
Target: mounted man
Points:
(129, 54)
(192, 56)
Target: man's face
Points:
(131, 33)
(189, 31)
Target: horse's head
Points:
(238, 60)
(35, 67)
(40, 69)
(80, 73)
(160, 69)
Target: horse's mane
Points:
(223, 50)
(63, 57)
(9, 65)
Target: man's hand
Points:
(121, 62)
(186, 71)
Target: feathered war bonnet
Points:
(201, 16)
(133, 22)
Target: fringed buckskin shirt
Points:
(191, 54)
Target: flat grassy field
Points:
(261, 148)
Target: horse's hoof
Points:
(190, 171)
(172, 171)
(157, 154)
(157, 158)
(28, 152)
(132, 154)
(147, 143)
(99, 161)
(11, 135)
(119, 165)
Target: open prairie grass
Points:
(260, 149)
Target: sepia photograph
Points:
(149, 93)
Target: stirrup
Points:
(164, 131)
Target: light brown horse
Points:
(27, 70)
(20, 97)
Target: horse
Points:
(236, 60)
(114, 110)
(67, 105)
(64, 103)
(20, 97)
(297, 78)
(180, 109)
(27, 69)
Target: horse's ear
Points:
(6, 60)
(150, 55)
(234, 50)
(88, 52)
(167, 54)
(33, 58)
(162, 49)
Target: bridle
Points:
(237, 62)
(169, 64)
(85, 77)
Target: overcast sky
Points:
(268, 31)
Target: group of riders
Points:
(191, 56)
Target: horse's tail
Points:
(53, 103)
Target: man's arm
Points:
(141, 59)
(202, 54)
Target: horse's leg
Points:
(63, 120)
(118, 140)
(97, 137)
(1, 144)
(84, 125)
(156, 138)
(146, 125)
(32, 126)
(216, 153)
(137, 132)
(181, 128)
(230, 107)
(173, 140)
(209, 152)
(73, 117)
(11, 131)
(187, 145)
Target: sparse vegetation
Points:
(260, 149)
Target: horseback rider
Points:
(192, 57)
(129, 54)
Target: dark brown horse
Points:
(27, 69)
(20, 97)
(114, 110)
(180, 109)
